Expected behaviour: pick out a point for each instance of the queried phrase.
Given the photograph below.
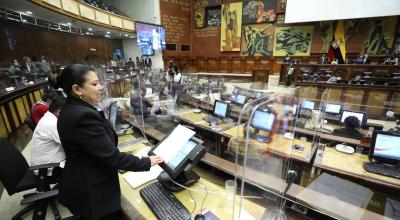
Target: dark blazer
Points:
(89, 185)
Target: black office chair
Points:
(17, 176)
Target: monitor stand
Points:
(185, 178)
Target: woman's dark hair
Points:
(57, 103)
(352, 122)
(49, 95)
(73, 74)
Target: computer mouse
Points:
(199, 217)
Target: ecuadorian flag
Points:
(339, 37)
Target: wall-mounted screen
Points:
(150, 36)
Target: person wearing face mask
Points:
(89, 185)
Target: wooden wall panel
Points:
(6, 120)
(395, 102)
(21, 109)
(249, 64)
(3, 129)
(353, 99)
(212, 66)
(224, 65)
(61, 47)
(333, 95)
(376, 102)
(14, 114)
(236, 65)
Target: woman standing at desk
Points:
(89, 185)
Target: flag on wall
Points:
(340, 39)
(338, 46)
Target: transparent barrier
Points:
(314, 153)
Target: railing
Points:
(87, 13)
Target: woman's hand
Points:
(155, 160)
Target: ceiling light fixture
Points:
(87, 33)
(90, 29)
(23, 20)
(108, 32)
(126, 35)
(28, 12)
(69, 24)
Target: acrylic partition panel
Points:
(335, 181)
(265, 146)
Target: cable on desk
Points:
(195, 204)
(213, 192)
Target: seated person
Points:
(323, 59)
(350, 130)
(46, 144)
(140, 104)
(42, 106)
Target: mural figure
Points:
(257, 40)
(231, 27)
(257, 11)
(294, 41)
(376, 42)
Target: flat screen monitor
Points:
(150, 36)
(220, 109)
(235, 91)
(306, 104)
(187, 153)
(259, 95)
(147, 51)
(385, 147)
(240, 99)
(149, 91)
(113, 114)
(360, 115)
(333, 108)
(263, 120)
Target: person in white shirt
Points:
(46, 144)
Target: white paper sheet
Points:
(136, 179)
(173, 143)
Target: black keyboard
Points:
(382, 169)
(163, 204)
(210, 119)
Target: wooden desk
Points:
(197, 120)
(326, 204)
(134, 206)
(351, 165)
(279, 145)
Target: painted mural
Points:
(379, 40)
(257, 40)
(231, 26)
(293, 41)
(258, 11)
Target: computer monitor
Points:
(112, 117)
(306, 104)
(179, 166)
(235, 91)
(263, 120)
(240, 99)
(220, 109)
(333, 108)
(360, 115)
(385, 147)
(259, 95)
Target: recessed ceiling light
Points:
(28, 12)
(126, 35)
(91, 33)
(106, 35)
(87, 33)
(69, 24)
(90, 29)
(108, 32)
(23, 20)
